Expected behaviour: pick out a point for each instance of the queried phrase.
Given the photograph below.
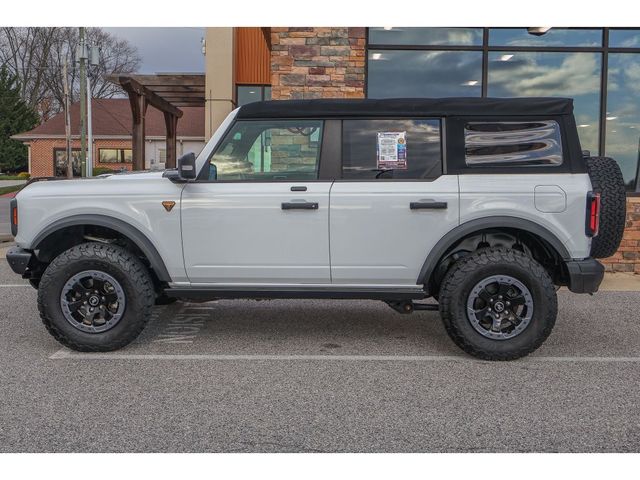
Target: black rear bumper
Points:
(585, 276)
(19, 259)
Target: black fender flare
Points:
(472, 226)
(136, 236)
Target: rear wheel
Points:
(95, 297)
(498, 304)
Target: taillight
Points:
(593, 214)
(14, 217)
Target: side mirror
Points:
(187, 166)
(186, 170)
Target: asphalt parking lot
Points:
(318, 376)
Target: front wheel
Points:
(95, 297)
(498, 304)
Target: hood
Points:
(102, 184)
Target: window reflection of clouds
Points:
(394, 73)
(423, 147)
(623, 110)
(624, 38)
(425, 36)
(402, 73)
(556, 37)
(531, 74)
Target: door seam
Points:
(329, 230)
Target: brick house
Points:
(111, 119)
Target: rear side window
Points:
(391, 149)
(510, 144)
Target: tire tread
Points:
(130, 265)
(606, 179)
(462, 270)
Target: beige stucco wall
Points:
(219, 72)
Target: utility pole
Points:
(67, 120)
(82, 56)
(94, 61)
(90, 131)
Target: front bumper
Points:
(19, 259)
(585, 276)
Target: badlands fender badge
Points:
(168, 205)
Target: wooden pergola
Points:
(166, 92)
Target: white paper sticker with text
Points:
(392, 150)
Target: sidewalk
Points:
(620, 282)
(11, 183)
(5, 222)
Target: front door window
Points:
(268, 150)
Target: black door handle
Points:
(428, 205)
(299, 205)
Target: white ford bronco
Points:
(486, 205)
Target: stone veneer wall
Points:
(314, 62)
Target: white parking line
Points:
(15, 285)
(65, 354)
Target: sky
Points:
(176, 50)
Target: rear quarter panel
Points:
(489, 195)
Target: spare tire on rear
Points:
(607, 180)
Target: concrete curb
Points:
(620, 282)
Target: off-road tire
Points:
(607, 180)
(483, 263)
(122, 265)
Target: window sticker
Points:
(392, 150)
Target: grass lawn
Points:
(12, 177)
(14, 188)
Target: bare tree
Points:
(116, 56)
(25, 53)
(37, 55)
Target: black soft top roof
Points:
(407, 107)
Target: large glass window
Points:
(555, 37)
(535, 61)
(406, 73)
(383, 149)
(252, 93)
(268, 150)
(623, 113)
(624, 38)
(548, 74)
(425, 36)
